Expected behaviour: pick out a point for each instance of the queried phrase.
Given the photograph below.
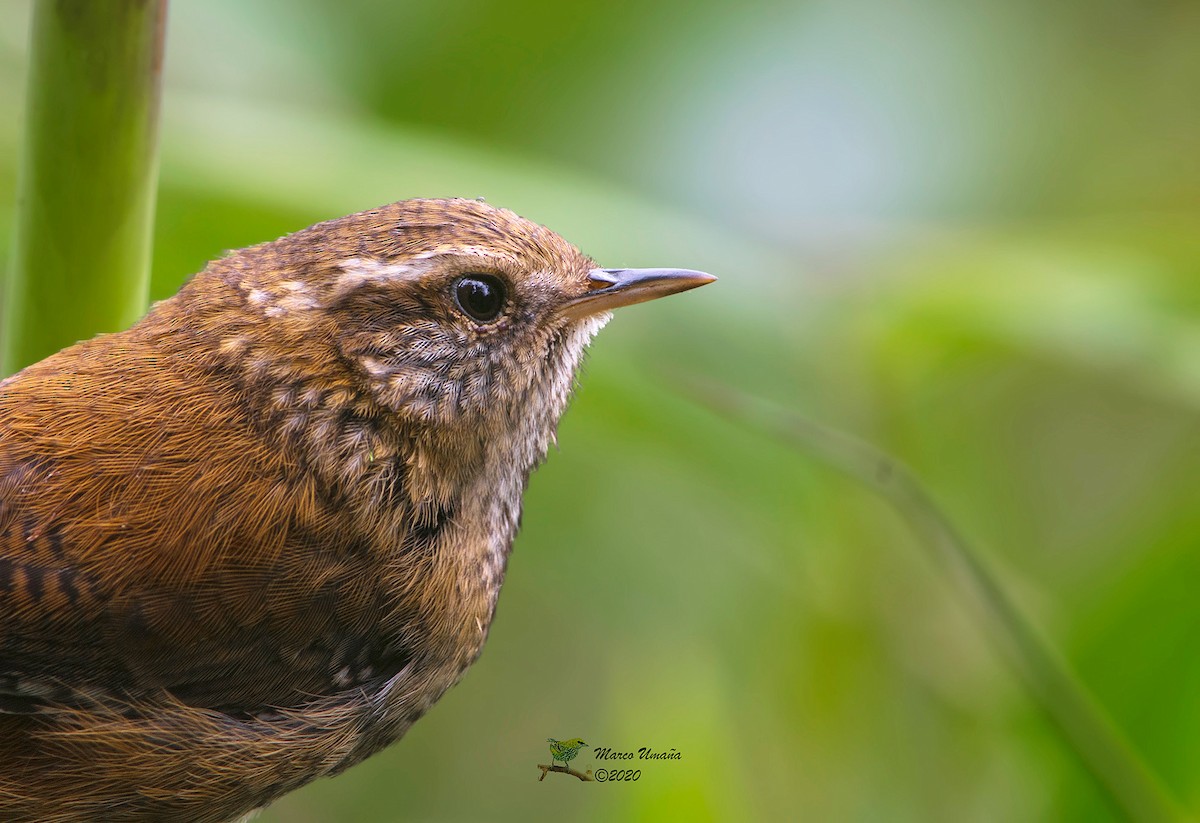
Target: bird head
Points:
(448, 311)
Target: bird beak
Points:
(613, 288)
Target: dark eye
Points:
(480, 295)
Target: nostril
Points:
(602, 278)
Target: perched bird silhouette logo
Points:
(564, 751)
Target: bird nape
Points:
(249, 541)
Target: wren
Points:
(249, 541)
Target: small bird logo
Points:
(564, 750)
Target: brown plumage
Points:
(249, 541)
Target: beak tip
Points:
(691, 279)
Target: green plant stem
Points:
(87, 176)
(1088, 731)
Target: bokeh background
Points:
(966, 231)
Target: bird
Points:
(249, 541)
(564, 750)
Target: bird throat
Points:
(487, 491)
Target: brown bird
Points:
(249, 541)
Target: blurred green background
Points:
(966, 231)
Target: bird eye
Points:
(480, 295)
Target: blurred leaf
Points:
(1085, 727)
